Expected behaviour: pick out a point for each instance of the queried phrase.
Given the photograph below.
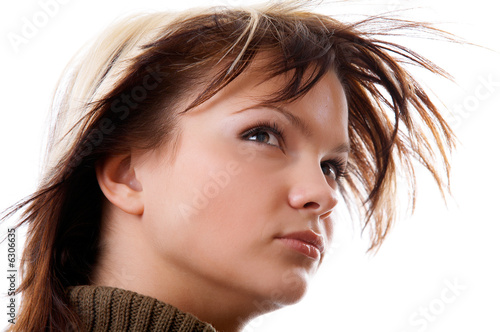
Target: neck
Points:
(228, 310)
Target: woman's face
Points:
(244, 204)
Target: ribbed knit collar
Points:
(104, 308)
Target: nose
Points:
(311, 192)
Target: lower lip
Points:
(302, 247)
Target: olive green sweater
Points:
(113, 309)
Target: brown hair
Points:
(122, 94)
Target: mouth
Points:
(307, 243)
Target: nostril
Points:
(311, 205)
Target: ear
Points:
(119, 184)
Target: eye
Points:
(335, 169)
(264, 136)
(265, 133)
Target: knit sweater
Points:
(104, 308)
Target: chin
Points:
(292, 295)
(290, 289)
(277, 299)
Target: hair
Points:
(125, 90)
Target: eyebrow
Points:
(298, 123)
(343, 148)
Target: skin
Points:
(196, 225)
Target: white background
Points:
(423, 257)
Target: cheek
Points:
(210, 188)
(234, 200)
(234, 196)
(216, 195)
(253, 179)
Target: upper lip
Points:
(309, 237)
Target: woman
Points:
(196, 159)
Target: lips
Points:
(306, 242)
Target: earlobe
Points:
(119, 184)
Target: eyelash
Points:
(338, 165)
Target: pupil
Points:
(326, 169)
(262, 137)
